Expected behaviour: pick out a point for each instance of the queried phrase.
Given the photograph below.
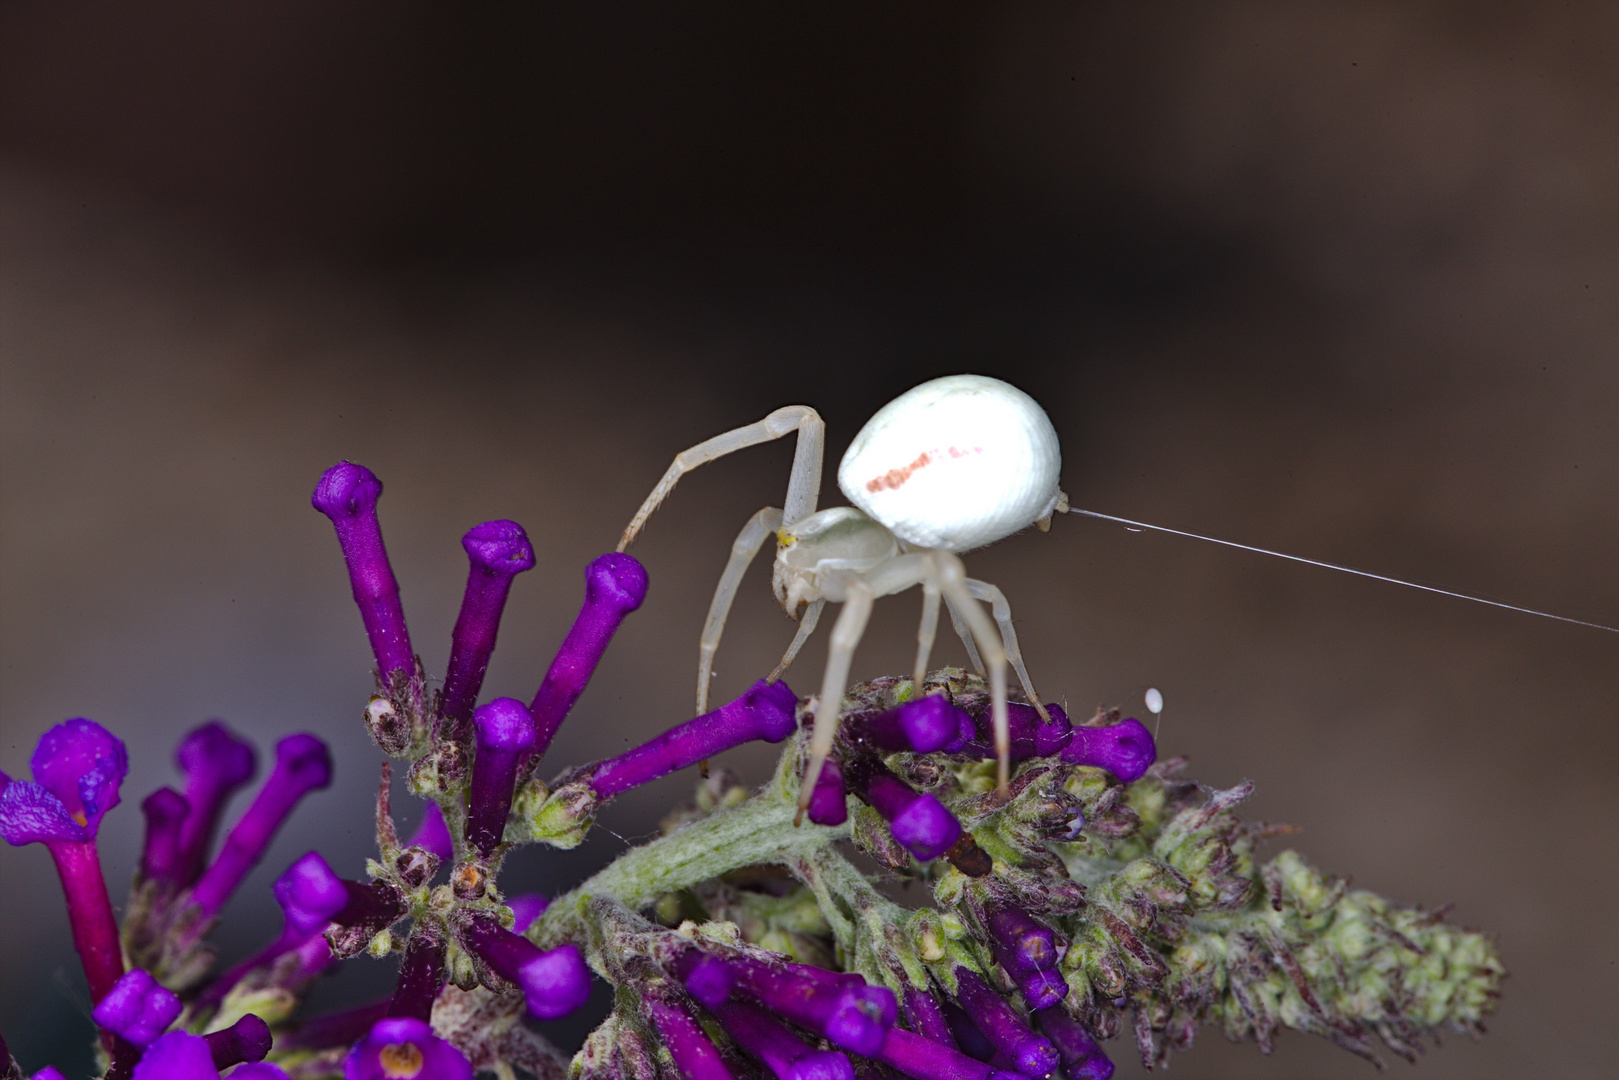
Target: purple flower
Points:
(842, 1008)
(163, 853)
(923, 1014)
(695, 1055)
(177, 1056)
(920, 822)
(137, 1008)
(49, 1072)
(1125, 749)
(246, 1040)
(1031, 736)
(433, 835)
(1041, 989)
(764, 711)
(555, 983)
(505, 734)
(78, 767)
(302, 764)
(1021, 943)
(310, 895)
(498, 552)
(923, 725)
(259, 1070)
(615, 585)
(421, 973)
(926, 1059)
(757, 1032)
(215, 762)
(829, 801)
(347, 493)
(401, 1048)
(1029, 1053)
(526, 907)
(1082, 1058)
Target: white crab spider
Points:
(948, 466)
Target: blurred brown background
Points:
(1336, 279)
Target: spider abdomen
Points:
(955, 463)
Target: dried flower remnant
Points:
(1095, 894)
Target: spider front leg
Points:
(743, 549)
(803, 484)
(950, 576)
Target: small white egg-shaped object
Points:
(955, 463)
(1155, 701)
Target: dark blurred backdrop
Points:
(1337, 279)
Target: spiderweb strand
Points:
(1345, 569)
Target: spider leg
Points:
(846, 634)
(806, 627)
(924, 635)
(804, 483)
(983, 590)
(951, 578)
(747, 545)
(965, 635)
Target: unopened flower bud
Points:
(555, 983)
(163, 852)
(505, 734)
(247, 1040)
(347, 494)
(1125, 749)
(137, 1008)
(388, 725)
(498, 551)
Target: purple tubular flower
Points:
(162, 853)
(215, 763)
(1082, 1058)
(829, 802)
(498, 551)
(967, 1036)
(137, 1008)
(707, 978)
(401, 1048)
(843, 1008)
(246, 1040)
(695, 1056)
(757, 1032)
(433, 835)
(1031, 736)
(923, 1014)
(1125, 749)
(764, 711)
(421, 975)
(1030, 1054)
(526, 907)
(310, 895)
(924, 725)
(78, 767)
(347, 493)
(49, 1072)
(302, 764)
(555, 983)
(505, 734)
(926, 1059)
(919, 822)
(258, 1070)
(1041, 989)
(1022, 943)
(177, 1056)
(615, 585)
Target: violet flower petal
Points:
(829, 801)
(923, 726)
(1125, 749)
(1028, 944)
(505, 733)
(615, 585)
(707, 978)
(498, 551)
(923, 1014)
(421, 974)
(526, 907)
(49, 1072)
(137, 1008)
(177, 1056)
(920, 822)
(761, 1035)
(31, 813)
(258, 1070)
(302, 764)
(309, 893)
(926, 1059)
(694, 1054)
(1082, 1058)
(347, 493)
(764, 711)
(842, 1008)
(162, 851)
(555, 983)
(83, 764)
(1030, 1054)
(432, 834)
(1031, 736)
(402, 1048)
(246, 1040)
(215, 762)
(1041, 989)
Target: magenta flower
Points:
(829, 801)
(137, 1008)
(1125, 749)
(926, 1019)
(841, 1008)
(1021, 943)
(921, 823)
(764, 711)
(1031, 736)
(695, 1054)
(78, 767)
(247, 1040)
(926, 1059)
(786, 1055)
(1030, 1054)
(347, 493)
(310, 895)
(401, 1048)
(615, 585)
(215, 762)
(498, 551)
(421, 974)
(555, 983)
(1082, 1058)
(177, 1056)
(163, 852)
(922, 726)
(505, 734)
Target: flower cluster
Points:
(742, 942)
